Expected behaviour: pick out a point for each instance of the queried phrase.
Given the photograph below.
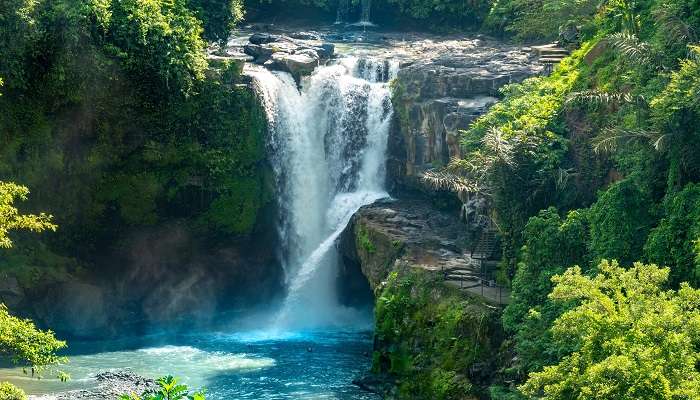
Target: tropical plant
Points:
(19, 338)
(11, 392)
(631, 338)
(11, 219)
(168, 389)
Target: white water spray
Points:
(327, 143)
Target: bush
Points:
(11, 392)
(620, 222)
(674, 242)
(630, 338)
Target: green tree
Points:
(620, 222)
(631, 338)
(19, 338)
(551, 245)
(160, 44)
(674, 241)
(218, 17)
(11, 219)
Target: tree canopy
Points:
(10, 217)
(632, 338)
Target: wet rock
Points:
(326, 50)
(305, 35)
(406, 232)
(296, 64)
(298, 53)
(259, 53)
(383, 385)
(11, 292)
(262, 38)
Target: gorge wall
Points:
(442, 92)
(432, 340)
(155, 230)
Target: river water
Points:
(254, 365)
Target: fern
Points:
(675, 29)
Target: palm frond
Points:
(596, 98)
(444, 180)
(673, 26)
(631, 47)
(499, 146)
(610, 139)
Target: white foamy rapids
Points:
(328, 146)
(191, 365)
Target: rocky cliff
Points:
(454, 82)
(433, 340)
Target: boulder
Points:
(260, 53)
(296, 64)
(305, 36)
(327, 50)
(262, 38)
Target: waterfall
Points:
(327, 143)
(343, 10)
(364, 17)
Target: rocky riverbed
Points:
(109, 386)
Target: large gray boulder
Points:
(296, 64)
(262, 38)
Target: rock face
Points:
(163, 276)
(402, 247)
(411, 232)
(109, 386)
(441, 94)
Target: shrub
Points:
(11, 392)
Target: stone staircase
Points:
(486, 245)
(550, 54)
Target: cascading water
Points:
(327, 143)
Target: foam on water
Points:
(253, 365)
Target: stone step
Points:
(554, 51)
(551, 60)
(460, 278)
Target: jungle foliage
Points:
(113, 116)
(168, 389)
(427, 335)
(20, 340)
(597, 161)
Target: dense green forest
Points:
(598, 161)
(114, 119)
(113, 116)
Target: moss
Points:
(365, 242)
(430, 336)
